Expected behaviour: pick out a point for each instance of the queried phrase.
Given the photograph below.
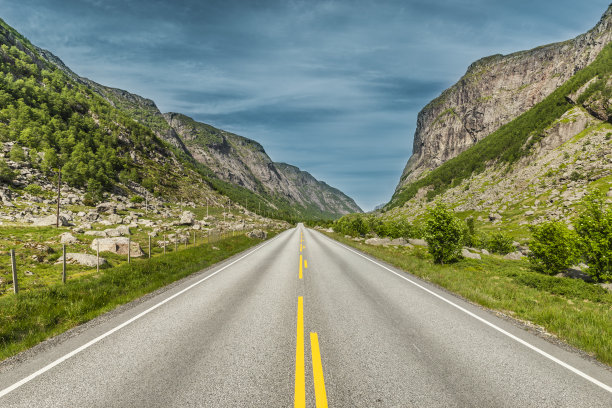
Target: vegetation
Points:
(499, 243)
(553, 247)
(594, 229)
(512, 140)
(556, 304)
(32, 316)
(444, 234)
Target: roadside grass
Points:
(35, 315)
(574, 311)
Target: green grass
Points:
(577, 312)
(33, 316)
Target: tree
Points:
(6, 173)
(444, 234)
(553, 247)
(594, 229)
(17, 154)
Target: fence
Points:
(206, 237)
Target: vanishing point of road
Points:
(304, 321)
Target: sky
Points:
(333, 87)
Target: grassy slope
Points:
(31, 317)
(576, 312)
(509, 142)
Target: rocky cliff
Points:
(244, 162)
(494, 91)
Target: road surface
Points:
(302, 320)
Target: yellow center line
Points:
(317, 372)
(299, 400)
(300, 266)
(305, 264)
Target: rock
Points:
(28, 273)
(115, 219)
(49, 221)
(259, 234)
(120, 231)
(485, 252)
(514, 256)
(467, 254)
(38, 247)
(107, 207)
(417, 242)
(609, 194)
(96, 233)
(81, 259)
(398, 241)
(187, 218)
(495, 217)
(378, 241)
(68, 238)
(117, 245)
(529, 213)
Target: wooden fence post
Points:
(98, 258)
(149, 246)
(14, 267)
(129, 249)
(64, 264)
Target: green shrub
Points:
(351, 224)
(33, 189)
(6, 173)
(470, 238)
(553, 247)
(137, 199)
(17, 154)
(594, 229)
(499, 243)
(444, 234)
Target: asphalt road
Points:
(242, 335)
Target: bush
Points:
(33, 189)
(594, 229)
(17, 154)
(136, 199)
(500, 243)
(444, 234)
(470, 238)
(351, 224)
(6, 173)
(553, 247)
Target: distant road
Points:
(352, 332)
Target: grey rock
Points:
(117, 245)
(514, 256)
(418, 242)
(259, 234)
(50, 220)
(467, 254)
(68, 238)
(378, 241)
(81, 259)
(187, 218)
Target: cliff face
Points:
(494, 91)
(244, 162)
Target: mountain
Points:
(542, 142)
(244, 162)
(109, 139)
(494, 91)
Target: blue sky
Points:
(333, 87)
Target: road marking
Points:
(300, 266)
(499, 329)
(415, 346)
(122, 325)
(299, 400)
(305, 264)
(317, 372)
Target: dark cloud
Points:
(333, 86)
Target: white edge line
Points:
(122, 325)
(499, 329)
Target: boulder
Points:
(467, 254)
(514, 256)
(81, 259)
(259, 234)
(417, 242)
(96, 233)
(187, 218)
(117, 232)
(117, 245)
(398, 241)
(49, 221)
(378, 241)
(107, 207)
(485, 252)
(495, 217)
(68, 238)
(115, 219)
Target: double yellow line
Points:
(317, 367)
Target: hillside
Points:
(244, 162)
(109, 140)
(537, 166)
(494, 91)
